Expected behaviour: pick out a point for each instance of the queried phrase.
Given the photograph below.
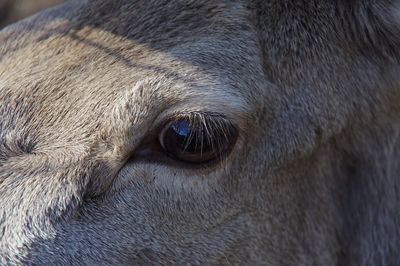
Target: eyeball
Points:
(197, 141)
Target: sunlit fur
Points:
(312, 88)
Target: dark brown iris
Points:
(197, 142)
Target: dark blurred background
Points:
(13, 10)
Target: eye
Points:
(198, 138)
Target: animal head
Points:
(201, 132)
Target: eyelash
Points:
(208, 121)
(213, 132)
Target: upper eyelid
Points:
(163, 120)
(203, 116)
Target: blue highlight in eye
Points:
(182, 128)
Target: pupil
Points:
(188, 140)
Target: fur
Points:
(312, 87)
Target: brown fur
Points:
(312, 86)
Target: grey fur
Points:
(312, 86)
